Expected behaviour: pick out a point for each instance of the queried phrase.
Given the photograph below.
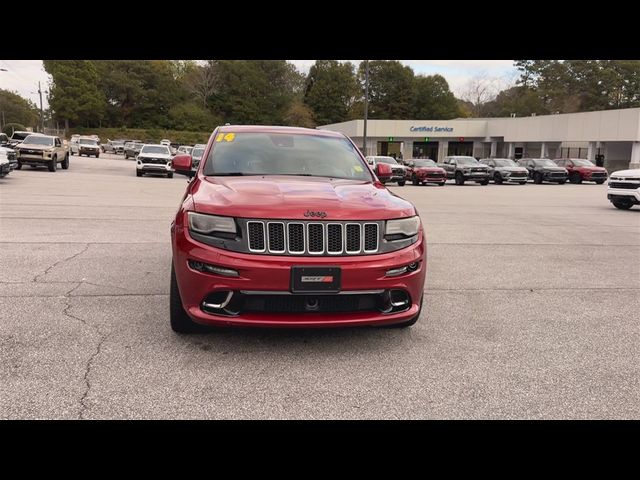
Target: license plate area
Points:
(315, 279)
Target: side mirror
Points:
(383, 172)
(182, 164)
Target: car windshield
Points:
(138, 145)
(582, 163)
(424, 163)
(284, 154)
(505, 162)
(389, 160)
(19, 135)
(466, 161)
(159, 149)
(545, 162)
(197, 152)
(38, 140)
(117, 143)
(87, 141)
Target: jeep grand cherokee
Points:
(289, 227)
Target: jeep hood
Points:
(289, 197)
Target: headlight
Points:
(208, 224)
(403, 226)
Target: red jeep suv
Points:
(289, 227)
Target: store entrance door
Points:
(389, 149)
(426, 150)
(460, 148)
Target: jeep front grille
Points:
(290, 237)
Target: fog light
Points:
(394, 272)
(412, 267)
(206, 268)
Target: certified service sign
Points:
(430, 129)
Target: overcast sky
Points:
(22, 76)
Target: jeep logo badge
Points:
(309, 213)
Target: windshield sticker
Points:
(226, 137)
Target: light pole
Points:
(41, 112)
(366, 105)
(2, 124)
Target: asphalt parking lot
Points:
(532, 309)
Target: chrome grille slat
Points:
(312, 237)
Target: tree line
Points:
(194, 96)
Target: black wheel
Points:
(97, 155)
(411, 321)
(415, 181)
(126, 157)
(497, 178)
(138, 173)
(53, 164)
(562, 182)
(599, 182)
(522, 183)
(485, 182)
(442, 184)
(537, 177)
(401, 184)
(19, 166)
(178, 318)
(33, 166)
(575, 178)
(170, 175)
(622, 205)
(459, 178)
(65, 162)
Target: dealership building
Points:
(610, 138)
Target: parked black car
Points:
(544, 170)
(462, 168)
(505, 170)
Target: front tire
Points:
(415, 181)
(562, 182)
(401, 184)
(19, 166)
(179, 320)
(442, 184)
(575, 178)
(485, 182)
(622, 205)
(522, 183)
(599, 182)
(537, 178)
(459, 178)
(498, 179)
(53, 164)
(65, 162)
(138, 173)
(170, 175)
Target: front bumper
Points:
(476, 177)
(89, 151)
(431, 178)
(153, 167)
(547, 177)
(272, 273)
(628, 195)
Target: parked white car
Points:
(154, 159)
(84, 146)
(624, 188)
(5, 167)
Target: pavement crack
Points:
(87, 371)
(90, 360)
(86, 247)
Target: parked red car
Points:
(425, 170)
(288, 227)
(582, 170)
